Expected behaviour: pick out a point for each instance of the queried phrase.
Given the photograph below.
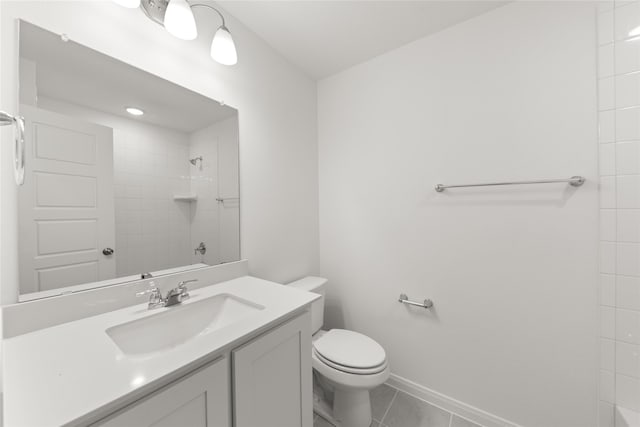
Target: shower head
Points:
(194, 161)
(6, 119)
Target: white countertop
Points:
(72, 374)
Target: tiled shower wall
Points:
(619, 144)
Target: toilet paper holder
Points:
(404, 299)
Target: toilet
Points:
(346, 363)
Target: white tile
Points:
(628, 259)
(627, 89)
(607, 386)
(627, 324)
(607, 159)
(607, 322)
(627, 56)
(607, 192)
(605, 27)
(606, 414)
(608, 290)
(628, 192)
(604, 6)
(606, 94)
(606, 126)
(605, 61)
(628, 292)
(627, 22)
(608, 225)
(628, 124)
(627, 359)
(628, 392)
(607, 354)
(607, 257)
(627, 157)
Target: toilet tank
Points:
(316, 285)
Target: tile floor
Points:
(394, 408)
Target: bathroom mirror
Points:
(126, 173)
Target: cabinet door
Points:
(201, 399)
(272, 378)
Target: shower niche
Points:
(126, 173)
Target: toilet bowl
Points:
(348, 362)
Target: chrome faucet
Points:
(174, 296)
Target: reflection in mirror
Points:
(126, 173)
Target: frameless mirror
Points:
(126, 173)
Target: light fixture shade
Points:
(132, 4)
(179, 20)
(223, 50)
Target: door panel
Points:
(66, 214)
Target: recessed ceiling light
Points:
(134, 111)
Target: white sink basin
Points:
(178, 324)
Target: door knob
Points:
(107, 251)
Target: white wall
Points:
(513, 270)
(277, 120)
(619, 119)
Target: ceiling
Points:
(69, 72)
(326, 37)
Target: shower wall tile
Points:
(607, 322)
(627, 21)
(606, 61)
(628, 192)
(628, 259)
(607, 386)
(608, 290)
(627, 392)
(627, 359)
(608, 225)
(620, 237)
(628, 292)
(606, 94)
(607, 354)
(606, 126)
(628, 124)
(605, 27)
(607, 192)
(627, 90)
(628, 158)
(607, 257)
(627, 56)
(627, 326)
(607, 160)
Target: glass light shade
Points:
(635, 32)
(179, 20)
(223, 50)
(132, 4)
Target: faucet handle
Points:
(184, 282)
(155, 299)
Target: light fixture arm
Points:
(212, 8)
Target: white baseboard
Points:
(447, 403)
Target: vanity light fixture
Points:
(134, 111)
(635, 33)
(131, 4)
(177, 18)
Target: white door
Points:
(65, 207)
(272, 378)
(201, 399)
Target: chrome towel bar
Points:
(404, 299)
(575, 181)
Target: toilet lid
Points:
(350, 349)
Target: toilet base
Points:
(352, 408)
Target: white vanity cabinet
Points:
(200, 399)
(272, 378)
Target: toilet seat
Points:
(350, 351)
(351, 348)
